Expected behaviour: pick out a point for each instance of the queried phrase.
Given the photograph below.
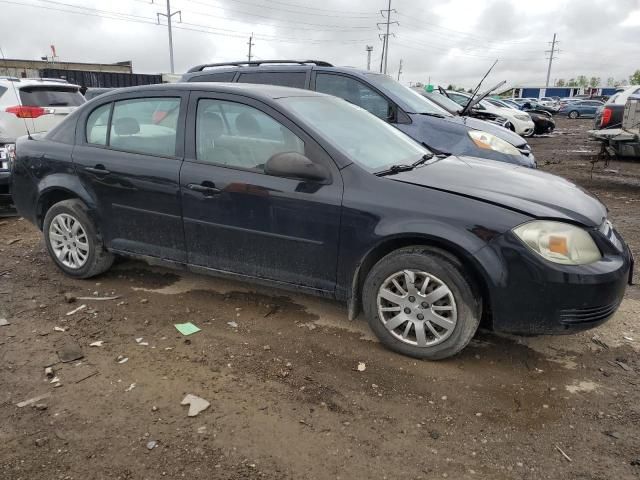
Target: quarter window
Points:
(237, 135)
(145, 125)
(97, 125)
(354, 92)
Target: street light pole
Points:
(369, 50)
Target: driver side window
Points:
(237, 135)
(355, 92)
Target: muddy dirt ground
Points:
(280, 372)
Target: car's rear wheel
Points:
(573, 114)
(72, 240)
(419, 303)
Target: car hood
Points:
(500, 132)
(531, 192)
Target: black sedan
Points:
(305, 191)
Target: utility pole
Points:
(251, 44)
(369, 49)
(551, 53)
(168, 15)
(386, 14)
(400, 70)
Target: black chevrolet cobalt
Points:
(306, 191)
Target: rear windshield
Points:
(2, 90)
(51, 97)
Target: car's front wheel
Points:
(72, 240)
(573, 114)
(419, 303)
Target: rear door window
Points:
(145, 125)
(215, 77)
(51, 96)
(282, 79)
(354, 92)
(2, 90)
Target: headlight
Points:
(491, 142)
(559, 242)
(524, 118)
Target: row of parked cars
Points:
(425, 220)
(36, 105)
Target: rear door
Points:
(128, 156)
(239, 219)
(58, 101)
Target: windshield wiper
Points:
(429, 114)
(393, 169)
(436, 152)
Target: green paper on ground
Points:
(186, 328)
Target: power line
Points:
(329, 27)
(183, 26)
(421, 26)
(363, 15)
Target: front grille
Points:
(572, 316)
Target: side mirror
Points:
(295, 165)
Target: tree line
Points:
(584, 81)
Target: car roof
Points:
(258, 91)
(272, 66)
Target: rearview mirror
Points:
(295, 165)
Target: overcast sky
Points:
(449, 41)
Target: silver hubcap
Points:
(417, 308)
(69, 241)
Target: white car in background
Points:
(548, 102)
(30, 105)
(519, 121)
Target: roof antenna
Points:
(475, 92)
(15, 91)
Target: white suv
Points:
(30, 106)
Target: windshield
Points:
(498, 103)
(364, 138)
(444, 102)
(415, 102)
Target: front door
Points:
(239, 219)
(129, 161)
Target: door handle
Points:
(204, 189)
(97, 170)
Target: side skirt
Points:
(212, 272)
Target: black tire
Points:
(98, 260)
(447, 269)
(573, 114)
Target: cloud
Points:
(449, 41)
